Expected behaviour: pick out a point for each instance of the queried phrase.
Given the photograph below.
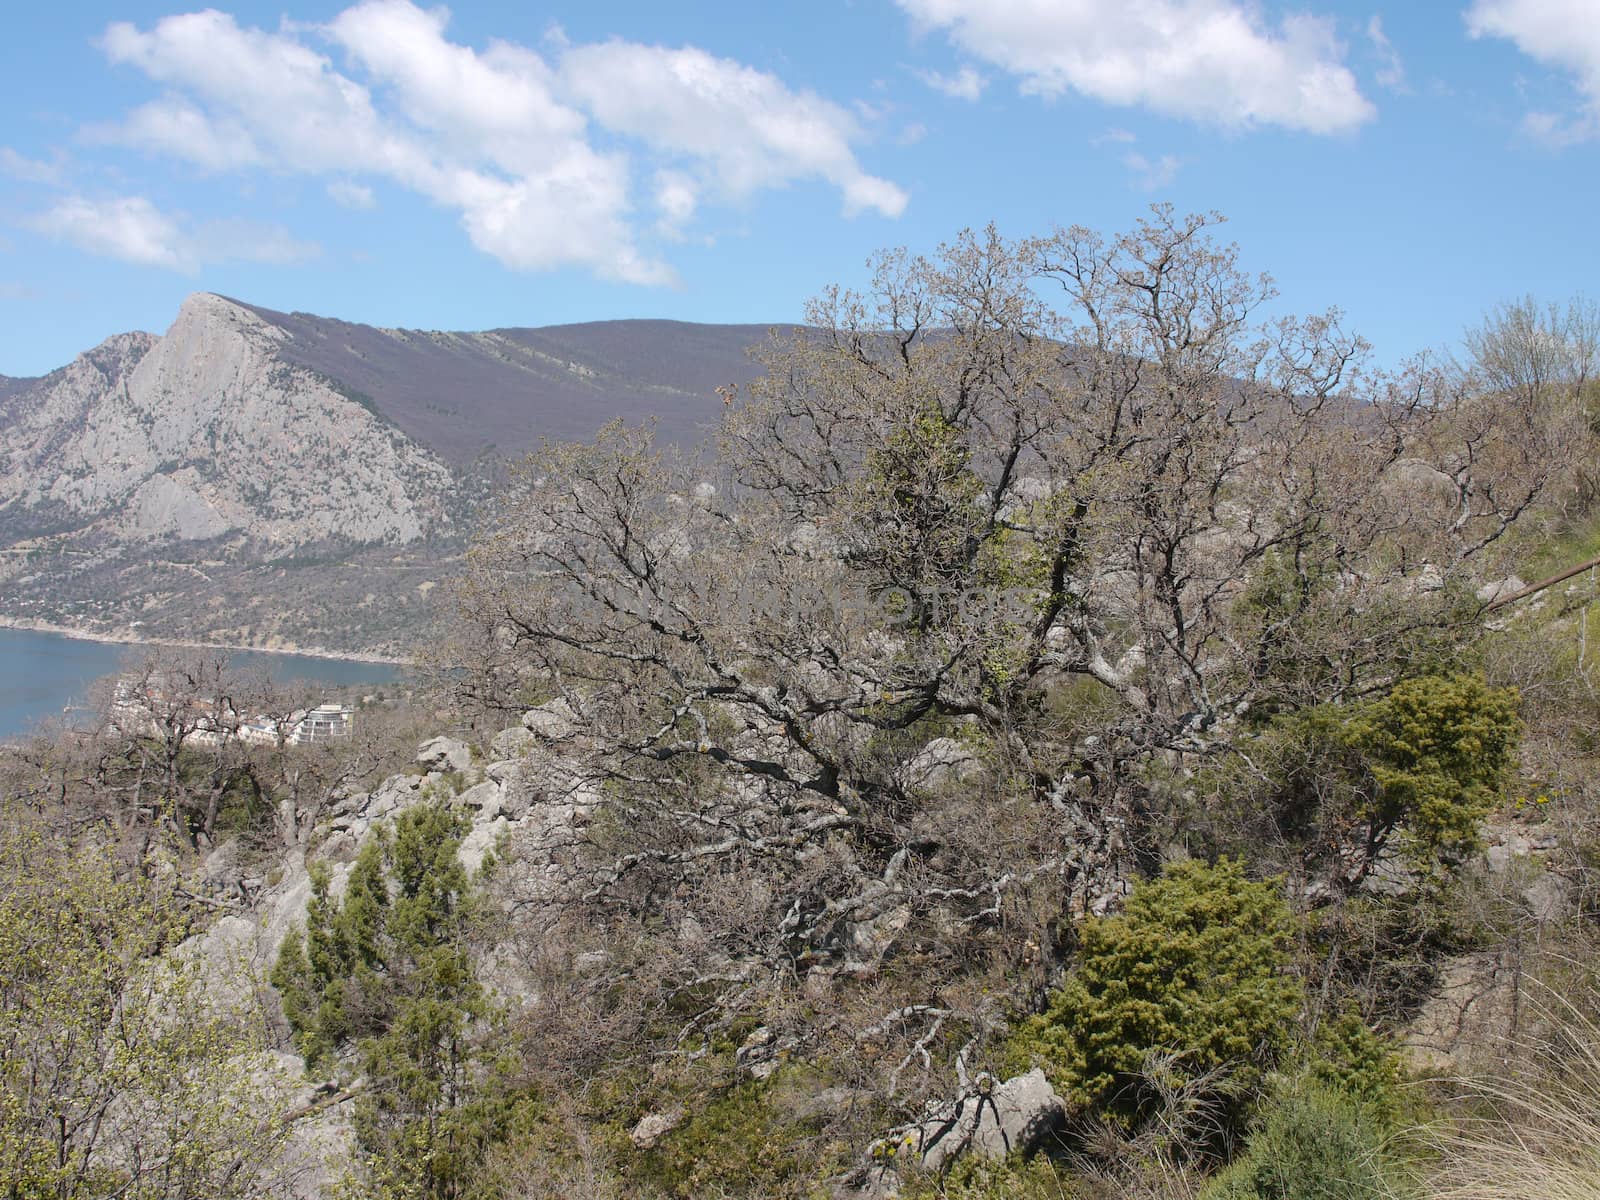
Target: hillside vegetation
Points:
(1068, 744)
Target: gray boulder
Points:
(1499, 589)
(652, 1127)
(483, 799)
(444, 754)
(990, 1120)
(553, 721)
(513, 743)
(942, 763)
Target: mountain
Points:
(462, 394)
(277, 478)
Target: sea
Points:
(48, 677)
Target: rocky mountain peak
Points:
(243, 438)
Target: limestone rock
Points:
(991, 1120)
(512, 743)
(553, 721)
(444, 754)
(1549, 897)
(483, 799)
(480, 842)
(763, 1052)
(942, 763)
(1499, 589)
(652, 1127)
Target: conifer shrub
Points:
(1195, 971)
(386, 970)
(1347, 1058)
(1342, 787)
(1438, 750)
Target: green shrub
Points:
(1312, 1144)
(1438, 750)
(739, 1140)
(1414, 770)
(1348, 1058)
(387, 970)
(1195, 968)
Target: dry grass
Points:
(1531, 1131)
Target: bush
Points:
(1013, 1179)
(1438, 750)
(1194, 969)
(387, 969)
(1344, 784)
(1313, 1143)
(1347, 1058)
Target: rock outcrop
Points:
(989, 1120)
(537, 798)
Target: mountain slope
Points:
(462, 394)
(273, 478)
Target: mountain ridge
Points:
(251, 475)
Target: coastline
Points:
(128, 637)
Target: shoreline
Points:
(130, 638)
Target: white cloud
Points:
(965, 84)
(497, 135)
(1152, 176)
(172, 125)
(676, 197)
(132, 229)
(1391, 71)
(739, 128)
(348, 194)
(28, 170)
(1213, 61)
(1561, 33)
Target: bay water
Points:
(46, 676)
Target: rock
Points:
(990, 1121)
(652, 1127)
(480, 842)
(484, 798)
(444, 754)
(554, 721)
(341, 846)
(942, 763)
(1499, 589)
(504, 772)
(1013, 1116)
(1429, 579)
(1549, 897)
(764, 1052)
(1468, 1013)
(513, 743)
(515, 799)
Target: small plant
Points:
(1313, 1143)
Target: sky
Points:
(1412, 162)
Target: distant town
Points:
(143, 705)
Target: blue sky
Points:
(523, 164)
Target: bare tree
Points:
(990, 554)
(1546, 360)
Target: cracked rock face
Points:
(205, 432)
(990, 1120)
